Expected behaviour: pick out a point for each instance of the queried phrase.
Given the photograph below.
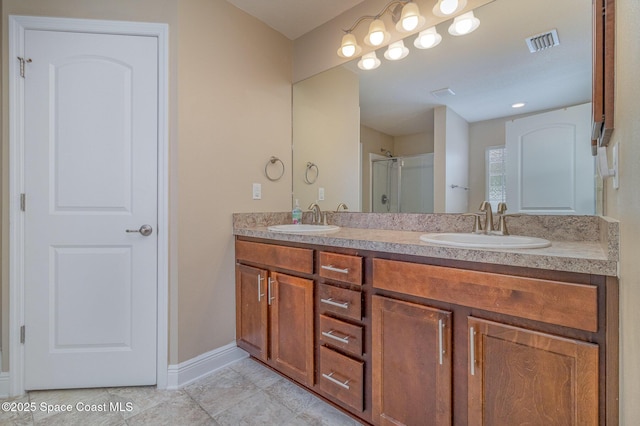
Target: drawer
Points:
(553, 302)
(341, 267)
(341, 335)
(340, 301)
(291, 258)
(342, 378)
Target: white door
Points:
(90, 170)
(550, 169)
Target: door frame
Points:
(17, 27)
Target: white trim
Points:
(189, 371)
(4, 385)
(17, 27)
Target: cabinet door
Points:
(251, 310)
(519, 376)
(411, 363)
(291, 300)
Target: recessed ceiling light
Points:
(518, 105)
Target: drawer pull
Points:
(269, 298)
(337, 382)
(472, 351)
(334, 269)
(330, 335)
(441, 339)
(330, 301)
(260, 293)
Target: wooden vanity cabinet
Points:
(397, 340)
(411, 360)
(526, 350)
(519, 376)
(274, 310)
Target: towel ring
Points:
(311, 166)
(273, 160)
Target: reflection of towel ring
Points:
(311, 166)
(273, 160)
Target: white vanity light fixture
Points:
(378, 34)
(464, 24)
(445, 8)
(518, 105)
(427, 39)
(396, 51)
(410, 18)
(349, 46)
(369, 61)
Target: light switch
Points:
(257, 191)
(320, 194)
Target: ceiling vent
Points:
(542, 41)
(443, 93)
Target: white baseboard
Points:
(4, 385)
(182, 374)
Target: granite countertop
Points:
(592, 247)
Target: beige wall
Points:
(416, 144)
(230, 110)
(624, 203)
(326, 132)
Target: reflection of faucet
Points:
(502, 223)
(341, 206)
(317, 213)
(488, 221)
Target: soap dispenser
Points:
(296, 214)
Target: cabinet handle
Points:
(330, 301)
(334, 269)
(260, 294)
(330, 335)
(472, 351)
(329, 377)
(441, 339)
(269, 291)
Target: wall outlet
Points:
(320, 194)
(257, 191)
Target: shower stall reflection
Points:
(402, 184)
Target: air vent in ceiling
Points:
(543, 41)
(443, 93)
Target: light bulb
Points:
(376, 38)
(447, 7)
(377, 34)
(410, 19)
(410, 23)
(349, 46)
(464, 25)
(427, 39)
(396, 50)
(348, 51)
(369, 61)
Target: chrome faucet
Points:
(341, 206)
(485, 207)
(317, 213)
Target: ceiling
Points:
(488, 70)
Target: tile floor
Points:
(244, 393)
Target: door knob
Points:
(145, 230)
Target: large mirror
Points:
(425, 134)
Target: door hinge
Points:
(22, 334)
(23, 202)
(22, 62)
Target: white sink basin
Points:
(303, 228)
(485, 241)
